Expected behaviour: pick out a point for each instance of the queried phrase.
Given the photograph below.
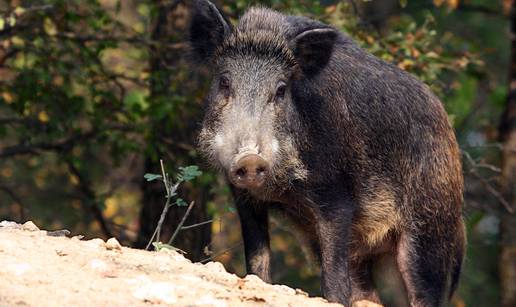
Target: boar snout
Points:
(249, 172)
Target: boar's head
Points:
(251, 129)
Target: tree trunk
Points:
(508, 222)
(169, 27)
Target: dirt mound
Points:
(40, 268)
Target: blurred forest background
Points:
(94, 92)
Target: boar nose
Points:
(250, 172)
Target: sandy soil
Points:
(40, 268)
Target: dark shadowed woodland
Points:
(93, 94)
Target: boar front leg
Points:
(333, 227)
(255, 232)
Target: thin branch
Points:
(171, 191)
(63, 145)
(176, 232)
(474, 172)
(198, 224)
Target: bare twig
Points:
(474, 172)
(198, 224)
(176, 232)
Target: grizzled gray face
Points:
(249, 111)
(250, 115)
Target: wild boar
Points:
(358, 153)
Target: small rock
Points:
(61, 253)
(252, 278)
(113, 244)
(77, 238)
(98, 264)
(30, 226)
(215, 266)
(59, 233)
(9, 224)
(95, 243)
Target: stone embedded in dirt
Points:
(96, 243)
(9, 224)
(215, 266)
(252, 278)
(61, 253)
(59, 233)
(98, 264)
(105, 269)
(113, 244)
(30, 226)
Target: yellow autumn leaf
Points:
(18, 11)
(405, 64)
(50, 27)
(43, 117)
(7, 97)
(17, 41)
(111, 207)
(73, 179)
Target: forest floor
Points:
(40, 268)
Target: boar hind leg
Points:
(362, 285)
(425, 262)
(255, 232)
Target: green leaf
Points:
(159, 246)
(136, 101)
(188, 173)
(403, 3)
(181, 203)
(151, 177)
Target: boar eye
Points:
(224, 83)
(280, 91)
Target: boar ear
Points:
(313, 49)
(208, 28)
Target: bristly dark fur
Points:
(257, 43)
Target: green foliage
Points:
(151, 177)
(189, 173)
